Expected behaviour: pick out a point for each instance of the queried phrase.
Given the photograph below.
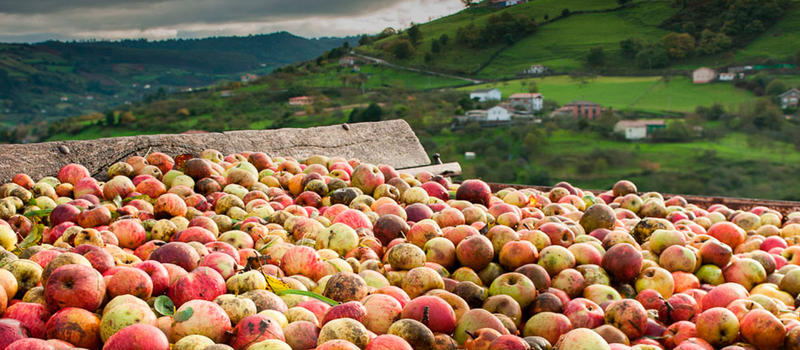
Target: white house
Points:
(790, 98)
(498, 113)
(531, 101)
(507, 3)
(638, 129)
(486, 95)
(536, 69)
(703, 75)
(727, 76)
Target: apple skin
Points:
(207, 318)
(548, 325)
(74, 285)
(178, 253)
(684, 307)
(253, 329)
(722, 295)
(301, 334)
(382, 311)
(10, 331)
(516, 285)
(204, 283)
(628, 315)
(158, 275)
(433, 312)
(32, 315)
(583, 313)
(366, 177)
(728, 233)
(623, 262)
(475, 191)
(763, 330)
(581, 339)
(130, 280)
(350, 309)
(29, 344)
(76, 326)
(715, 252)
(745, 271)
(388, 342)
(718, 326)
(679, 332)
(138, 337)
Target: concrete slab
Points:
(388, 142)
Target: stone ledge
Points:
(388, 142)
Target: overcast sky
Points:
(37, 20)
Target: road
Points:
(412, 69)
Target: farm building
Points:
(638, 129)
(790, 98)
(499, 113)
(347, 61)
(530, 101)
(584, 109)
(507, 3)
(703, 75)
(483, 95)
(301, 101)
(727, 76)
(249, 77)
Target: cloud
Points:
(161, 19)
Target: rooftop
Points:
(526, 95)
(639, 123)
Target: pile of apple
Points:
(251, 252)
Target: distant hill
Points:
(55, 79)
(490, 43)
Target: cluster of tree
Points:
(372, 113)
(506, 28)
(738, 19)
(673, 46)
(764, 85)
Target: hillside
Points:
(651, 94)
(57, 79)
(563, 32)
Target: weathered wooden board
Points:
(387, 142)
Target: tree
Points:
(414, 34)
(775, 87)
(372, 113)
(444, 40)
(596, 56)
(467, 3)
(111, 119)
(401, 49)
(435, 46)
(712, 42)
(564, 12)
(678, 45)
(652, 56)
(630, 47)
(623, 2)
(364, 40)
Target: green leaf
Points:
(184, 314)
(143, 197)
(38, 213)
(164, 305)
(32, 238)
(326, 300)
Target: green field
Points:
(774, 43)
(652, 94)
(459, 59)
(733, 165)
(563, 44)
